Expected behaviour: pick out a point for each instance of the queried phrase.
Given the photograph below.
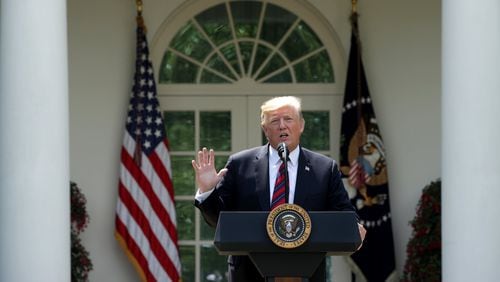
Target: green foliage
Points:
(424, 248)
(81, 264)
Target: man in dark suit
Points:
(247, 181)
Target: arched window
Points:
(246, 39)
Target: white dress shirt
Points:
(274, 165)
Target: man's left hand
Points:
(362, 234)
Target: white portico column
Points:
(470, 140)
(34, 153)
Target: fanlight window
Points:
(246, 40)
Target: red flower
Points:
(81, 264)
(424, 248)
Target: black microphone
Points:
(283, 153)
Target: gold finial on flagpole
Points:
(138, 5)
(139, 19)
(354, 17)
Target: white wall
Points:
(402, 54)
(401, 44)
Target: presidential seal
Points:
(288, 226)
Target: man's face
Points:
(283, 125)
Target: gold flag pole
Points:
(138, 5)
(140, 20)
(354, 4)
(354, 16)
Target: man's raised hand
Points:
(204, 169)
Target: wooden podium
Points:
(244, 233)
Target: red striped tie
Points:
(279, 188)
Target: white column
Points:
(471, 132)
(34, 153)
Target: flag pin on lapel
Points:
(307, 168)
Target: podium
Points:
(244, 233)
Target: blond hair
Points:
(279, 102)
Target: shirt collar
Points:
(293, 157)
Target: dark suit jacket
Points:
(245, 187)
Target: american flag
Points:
(145, 213)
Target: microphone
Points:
(283, 153)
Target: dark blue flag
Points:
(363, 165)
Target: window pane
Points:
(175, 69)
(218, 64)
(276, 23)
(188, 263)
(246, 53)
(220, 162)
(229, 52)
(215, 130)
(262, 53)
(182, 175)
(213, 265)
(246, 18)
(180, 130)
(215, 23)
(191, 42)
(282, 77)
(207, 231)
(300, 42)
(210, 77)
(275, 63)
(315, 69)
(185, 219)
(316, 134)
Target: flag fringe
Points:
(131, 257)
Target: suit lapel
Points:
(304, 175)
(262, 178)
